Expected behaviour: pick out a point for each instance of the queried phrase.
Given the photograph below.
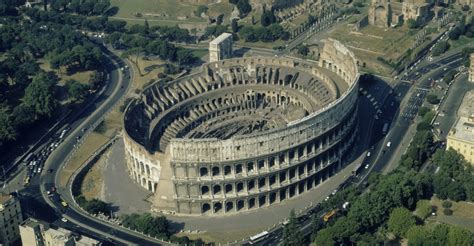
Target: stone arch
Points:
(215, 171)
(217, 207)
(262, 200)
(240, 205)
(205, 208)
(204, 190)
(251, 203)
(203, 171)
(227, 170)
(216, 189)
(229, 206)
(228, 188)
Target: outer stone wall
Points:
(219, 176)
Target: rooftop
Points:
(464, 129)
(221, 38)
(87, 241)
(5, 200)
(60, 234)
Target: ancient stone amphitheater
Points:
(243, 133)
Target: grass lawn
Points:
(92, 185)
(462, 41)
(166, 12)
(200, 53)
(372, 42)
(154, 66)
(91, 144)
(82, 77)
(463, 214)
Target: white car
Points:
(367, 166)
(368, 154)
(64, 220)
(389, 144)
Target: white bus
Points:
(259, 237)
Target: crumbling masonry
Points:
(243, 133)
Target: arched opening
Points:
(250, 167)
(216, 189)
(240, 204)
(228, 188)
(240, 187)
(272, 198)
(205, 208)
(217, 207)
(203, 171)
(250, 185)
(215, 171)
(227, 170)
(251, 203)
(229, 206)
(262, 200)
(205, 190)
(238, 169)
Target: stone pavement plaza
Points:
(129, 197)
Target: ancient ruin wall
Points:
(212, 176)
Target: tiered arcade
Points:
(243, 133)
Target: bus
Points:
(329, 215)
(259, 237)
(385, 129)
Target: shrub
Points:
(423, 111)
(432, 98)
(447, 204)
(447, 212)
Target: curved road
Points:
(115, 89)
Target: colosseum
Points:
(243, 133)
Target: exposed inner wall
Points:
(195, 175)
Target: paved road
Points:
(38, 204)
(404, 98)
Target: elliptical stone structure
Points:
(243, 133)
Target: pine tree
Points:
(291, 235)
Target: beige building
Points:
(59, 237)
(31, 232)
(10, 218)
(36, 233)
(461, 136)
(386, 13)
(220, 48)
(87, 241)
(471, 68)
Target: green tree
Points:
(39, 94)
(413, 24)
(325, 237)
(267, 18)
(423, 209)
(423, 110)
(234, 25)
(303, 50)
(440, 48)
(418, 236)
(76, 90)
(7, 129)
(291, 234)
(432, 98)
(244, 7)
(460, 237)
(400, 221)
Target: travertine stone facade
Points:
(220, 48)
(244, 133)
(386, 13)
